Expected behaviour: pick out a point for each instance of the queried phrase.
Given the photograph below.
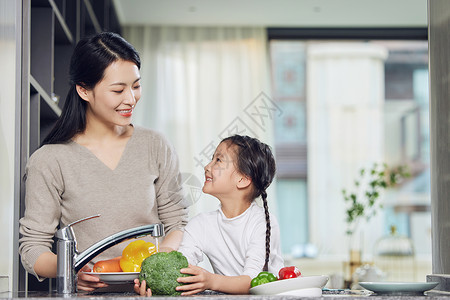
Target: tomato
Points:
(289, 272)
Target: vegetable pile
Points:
(134, 254)
(131, 259)
(284, 273)
(161, 270)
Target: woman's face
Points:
(113, 99)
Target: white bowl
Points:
(310, 292)
(115, 277)
(286, 285)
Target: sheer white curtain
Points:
(200, 85)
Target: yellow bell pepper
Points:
(134, 254)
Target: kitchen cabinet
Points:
(55, 27)
(50, 31)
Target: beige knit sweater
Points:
(67, 182)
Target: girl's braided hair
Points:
(255, 160)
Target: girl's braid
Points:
(266, 210)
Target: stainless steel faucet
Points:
(69, 261)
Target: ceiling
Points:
(274, 13)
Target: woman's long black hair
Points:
(92, 55)
(255, 160)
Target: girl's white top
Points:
(234, 246)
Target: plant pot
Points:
(355, 252)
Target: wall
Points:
(7, 138)
(439, 45)
(281, 13)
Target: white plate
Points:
(311, 292)
(398, 287)
(115, 277)
(287, 285)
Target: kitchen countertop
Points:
(341, 294)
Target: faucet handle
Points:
(66, 233)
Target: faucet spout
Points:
(69, 261)
(155, 230)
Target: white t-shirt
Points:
(234, 246)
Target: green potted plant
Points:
(363, 202)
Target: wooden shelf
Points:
(92, 17)
(51, 29)
(62, 31)
(40, 3)
(42, 46)
(36, 88)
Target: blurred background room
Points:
(333, 86)
(331, 92)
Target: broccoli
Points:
(161, 270)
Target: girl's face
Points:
(221, 175)
(113, 99)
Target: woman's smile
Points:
(125, 112)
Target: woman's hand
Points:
(199, 281)
(139, 288)
(88, 282)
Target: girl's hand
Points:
(199, 281)
(140, 288)
(88, 282)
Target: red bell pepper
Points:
(289, 272)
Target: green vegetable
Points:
(263, 277)
(161, 270)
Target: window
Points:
(346, 105)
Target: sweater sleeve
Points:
(172, 207)
(42, 208)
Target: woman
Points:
(95, 161)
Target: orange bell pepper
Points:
(134, 254)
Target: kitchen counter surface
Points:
(327, 294)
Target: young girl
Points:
(234, 237)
